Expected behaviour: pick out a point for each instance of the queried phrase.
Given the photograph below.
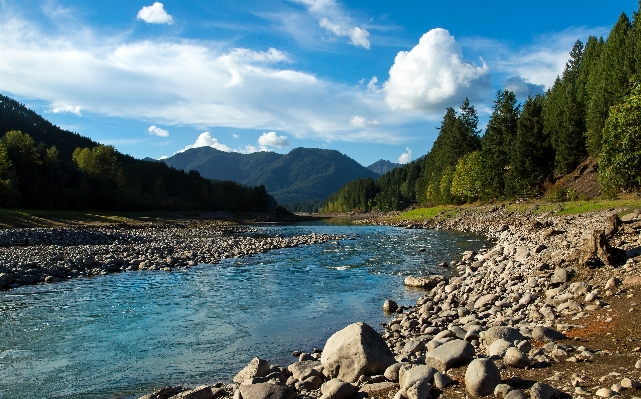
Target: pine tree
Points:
(497, 142)
(611, 81)
(531, 160)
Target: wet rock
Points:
(481, 377)
(356, 350)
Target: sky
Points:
(369, 78)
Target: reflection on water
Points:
(129, 333)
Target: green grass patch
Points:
(576, 207)
(441, 211)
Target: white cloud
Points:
(433, 75)
(153, 129)
(163, 157)
(206, 140)
(333, 19)
(360, 122)
(234, 135)
(522, 88)
(155, 14)
(271, 139)
(405, 157)
(60, 108)
(193, 83)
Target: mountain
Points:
(303, 174)
(383, 166)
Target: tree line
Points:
(52, 174)
(592, 109)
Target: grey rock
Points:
(442, 381)
(560, 276)
(423, 281)
(515, 358)
(605, 393)
(546, 334)
(485, 300)
(516, 394)
(201, 392)
(256, 368)
(356, 350)
(266, 391)
(481, 377)
(298, 368)
(450, 354)
(498, 348)
(509, 334)
(415, 382)
(392, 372)
(390, 305)
(542, 391)
(309, 384)
(502, 389)
(337, 389)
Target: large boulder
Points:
(354, 351)
(266, 390)
(450, 354)
(508, 334)
(415, 382)
(423, 281)
(481, 377)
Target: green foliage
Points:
(98, 162)
(467, 183)
(620, 157)
(497, 142)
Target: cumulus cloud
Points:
(333, 19)
(433, 75)
(59, 108)
(155, 14)
(522, 88)
(206, 140)
(153, 129)
(360, 122)
(405, 157)
(271, 139)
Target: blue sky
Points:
(370, 78)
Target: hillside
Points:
(45, 167)
(302, 175)
(383, 166)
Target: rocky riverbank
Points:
(43, 255)
(551, 310)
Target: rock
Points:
(546, 334)
(605, 393)
(423, 281)
(413, 346)
(628, 383)
(560, 276)
(165, 393)
(502, 389)
(542, 391)
(450, 354)
(256, 368)
(498, 348)
(337, 389)
(442, 381)
(392, 372)
(612, 283)
(309, 384)
(637, 365)
(201, 392)
(377, 389)
(297, 369)
(481, 377)
(515, 358)
(390, 305)
(356, 350)
(516, 394)
(485, 300)
(614, 223)
(415, 382)
(267, 391)
(501, 332)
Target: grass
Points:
(557, 208)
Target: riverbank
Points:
(49, 255)
(551, 310)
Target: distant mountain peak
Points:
(383, 166)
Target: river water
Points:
(126, 334)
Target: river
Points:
(126, 334)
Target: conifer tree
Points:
(497, 142)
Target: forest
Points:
(45, 167)
(592, 110)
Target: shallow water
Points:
(127, 334)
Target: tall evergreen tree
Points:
(611, 82)
(531, 160)
(497, 143)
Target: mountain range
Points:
(383, 166)
(304, 174)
